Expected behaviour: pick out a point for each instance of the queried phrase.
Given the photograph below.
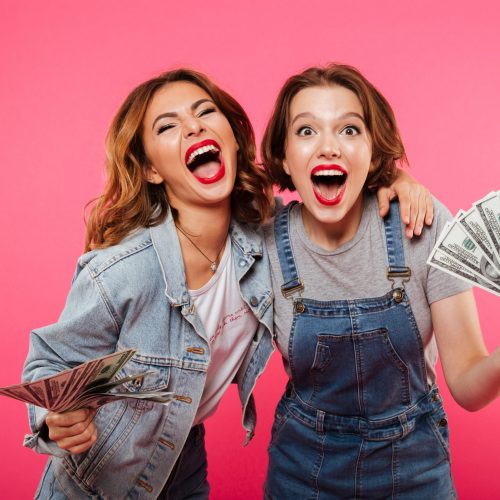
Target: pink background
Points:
(66, 66)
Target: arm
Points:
(415, 202)
(86, 329)
(472, 375)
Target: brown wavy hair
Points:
(129, 201)
(387, 146)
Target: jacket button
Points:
(254, 301)
(443, 423)
(242, 263)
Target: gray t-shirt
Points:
(357, 270)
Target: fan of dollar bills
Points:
(469, 246)
(88, 385)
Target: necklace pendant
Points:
(213, 267)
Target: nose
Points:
(192, 126)
(329, 147)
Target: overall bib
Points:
(358, 419)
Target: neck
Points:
(206, 229)
(207, 225)
(332, 234)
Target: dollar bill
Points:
(443, 261)
(489, 211)
(457, 243)
(99, 399)
(87, 384)
(473, 224)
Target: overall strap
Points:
(291, 281)
(395, 249)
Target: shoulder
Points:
(442, 215)
(129, 249)
(246, 237)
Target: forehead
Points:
(332, 100)
(174, 97)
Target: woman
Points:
(361, 416)
(172, 254)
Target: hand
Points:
(73, 431)
(415, 202)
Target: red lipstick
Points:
(333, 169)
(210, 146)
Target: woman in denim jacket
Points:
(183, 187)
(177, 141)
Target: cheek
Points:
(362, 155)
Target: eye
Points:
(305, 131)
(164, 128)
(206, 111)
(350, 130)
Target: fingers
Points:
(415, 203)
(72, 431)
(406, 202)
(413, 212)
(422, 211)
(429, 210)
(384, 197)
(421, 214)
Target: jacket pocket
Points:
(152, 374)
(117, 422)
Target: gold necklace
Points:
(213, 263)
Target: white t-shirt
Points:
(230, 326)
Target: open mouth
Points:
(329, 183)
(204, 160)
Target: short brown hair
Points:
(129, 201)
(387, 146)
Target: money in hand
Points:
(469, 246)
(88, 385)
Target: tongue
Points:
(327, 190)
(207, 170)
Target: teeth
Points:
(199, 151)
(329, 172)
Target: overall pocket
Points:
(438, 423)
(362, 372)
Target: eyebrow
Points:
(350, 114)
(172, 114)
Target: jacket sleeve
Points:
(87, 328)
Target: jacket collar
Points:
(246, 241)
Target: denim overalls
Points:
(358, 419)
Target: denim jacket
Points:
(134, 295)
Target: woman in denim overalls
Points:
(360, 417)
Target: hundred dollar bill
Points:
(86, 384)
(70, 383)
(489, 210)
(455, 242)
(473, 224)
(99, 399)
(62, 389)
(441, 260)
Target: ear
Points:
(152, 175)
(372, 166)
(285, 167)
